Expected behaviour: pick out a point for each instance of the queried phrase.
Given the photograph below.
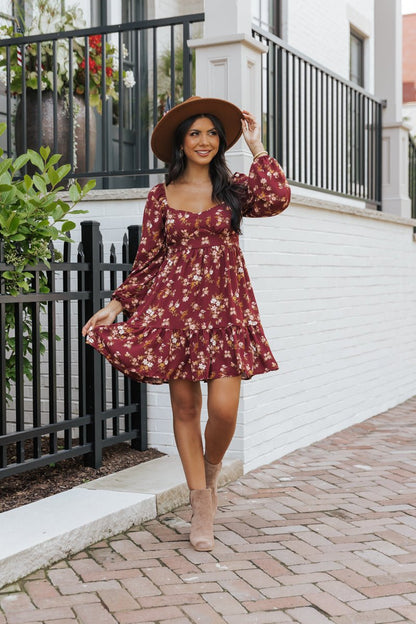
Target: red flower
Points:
(109, 71)
(95, 41)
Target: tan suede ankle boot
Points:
(202, 532)
(212, 473)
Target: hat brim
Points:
(163, 134)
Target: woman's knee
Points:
(223, 399)
(186, 401)
(223, 416)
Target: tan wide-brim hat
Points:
(164, 132)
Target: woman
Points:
(193, 315)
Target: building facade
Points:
(409, 71)
(334, 274)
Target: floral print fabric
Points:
(192, 310)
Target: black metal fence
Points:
(412, 175)
(324, 130)
(130, 73)
(75, 403)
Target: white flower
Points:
(125, 51)
(3, 77)
(129, 80)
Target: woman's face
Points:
(201, 143)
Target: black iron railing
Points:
(75, 403)
(412, 175)
(62, 71)
(324, 130)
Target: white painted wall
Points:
(321, 30)
(335, 285)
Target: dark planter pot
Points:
(40, 123)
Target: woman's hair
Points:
(223, 189)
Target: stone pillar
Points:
(388, 86)
(229, 64)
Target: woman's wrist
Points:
(258, 150)
(261, 153)
(114, 306)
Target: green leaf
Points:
(9, 197)
(63, 171)
(35, 159)
(57, 213)
(44, 152)
(39, 183)
(74, 193)
(12, 224)
(18, 237)
(4, 188)
(5, 165)
(3, 127)
(54, 159)
(89, 186)
(20, 162)
(53, 176)
(28, 182)
(68, 225)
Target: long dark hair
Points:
(223, 189)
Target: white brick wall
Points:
(335, 285)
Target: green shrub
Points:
(32, 215)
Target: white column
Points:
(228, 64)
(388, 86)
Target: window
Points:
(356, 58)
(9, 12)
(266, 15)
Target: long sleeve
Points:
(149, 257)
(267, 190)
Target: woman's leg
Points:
(223, 398)
(186, 403)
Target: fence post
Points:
(92, 247)
(138, 390)
(3, 427)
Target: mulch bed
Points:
(34, 485)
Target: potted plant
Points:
(50, 19)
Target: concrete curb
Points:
(36, 535)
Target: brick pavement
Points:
(326, 534)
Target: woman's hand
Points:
(105, 316)
(252, 133)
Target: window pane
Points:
(265, 14)
(356, 59)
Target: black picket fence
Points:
(73, 402)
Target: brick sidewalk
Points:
(326, 534)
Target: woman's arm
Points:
(149, 257)
(267, 190)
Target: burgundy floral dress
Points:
(192, 310)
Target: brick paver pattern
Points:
(325, 534)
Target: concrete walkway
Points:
(326, 534)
